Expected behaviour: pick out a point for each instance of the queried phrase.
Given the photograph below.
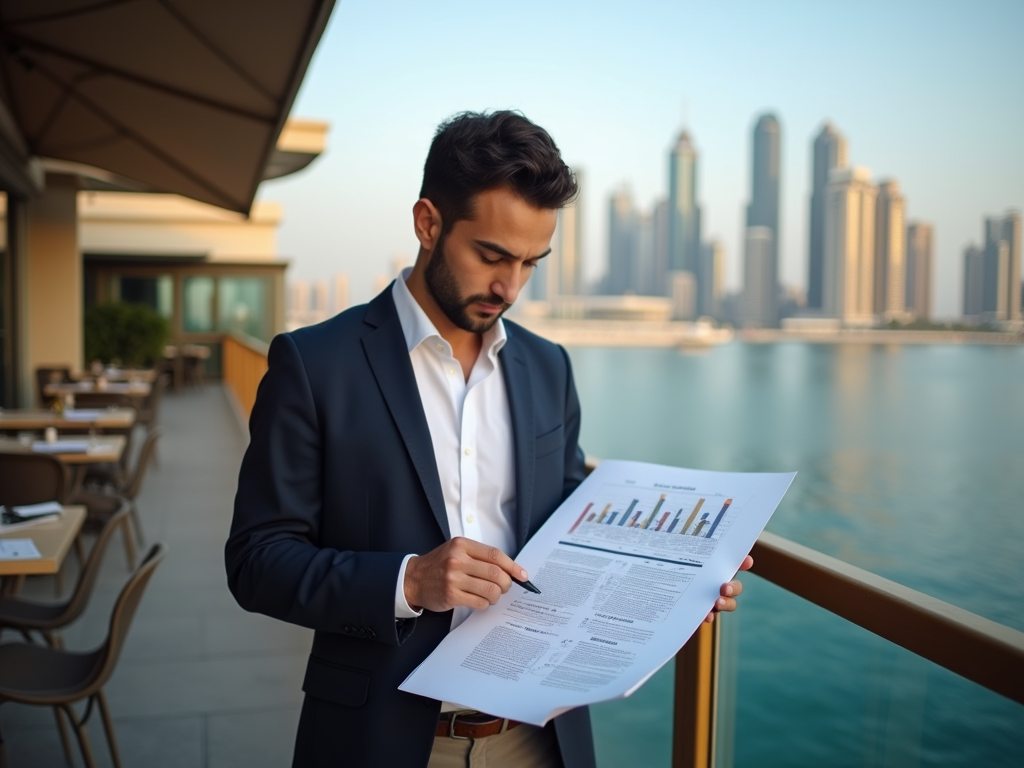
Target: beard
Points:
(444, 287)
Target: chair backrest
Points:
(79, 599)
(54, 375)
(31, 478)
(156, 397)
(142, 463)
(121, 618)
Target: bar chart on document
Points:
(668, 524)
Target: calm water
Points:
(911, 465)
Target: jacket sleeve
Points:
(575, 461)
(274, 563)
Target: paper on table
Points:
(35, 510)
(81, 414)
(61, 446)
(628, 567)
(29, 516)
(18, 549)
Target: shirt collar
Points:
(417, 327)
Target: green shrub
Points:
(131, 333)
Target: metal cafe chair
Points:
(103, 504)
(27, 616)
(49, 677)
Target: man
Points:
(402, 452)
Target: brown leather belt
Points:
(472, 725)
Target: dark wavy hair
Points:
(474, 152)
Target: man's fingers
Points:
(747, 564)
(488, 572)
(731, 589)
(488, 554)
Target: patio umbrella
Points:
(183, 96)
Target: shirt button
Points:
(469, 451)
(470, 519)
(440, 347)
(451, 371)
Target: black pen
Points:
(525, 585)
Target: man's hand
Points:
(459, 572)
(729, 592)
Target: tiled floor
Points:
(201, 683)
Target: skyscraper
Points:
(848, 269)
(561, 273)
(1002, 267)
(659, 268)
(684, 215)
(758, 300)
(974, 281)
(920, 256)
(712, 267)
(763, 211)
(829, 153)
(622, 242)
(890, 250)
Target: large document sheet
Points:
(628, 567)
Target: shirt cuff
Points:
(402, 608)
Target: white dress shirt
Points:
(471, 432)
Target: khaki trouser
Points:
(525, 746)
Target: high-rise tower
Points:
(1002, 267)
(890, 250)
(920, 255)
(622, 242)
(829, 154)
(848, 269)
(763, 212)
(684, 215)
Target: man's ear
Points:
(426, 220)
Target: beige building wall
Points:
(890, 251)
(168, 225)
(54, 306)
(849, 259)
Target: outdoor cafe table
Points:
(138, 389)
(53, 538)
(94, 418)
(101, 449)
(147, 375)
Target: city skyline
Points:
(617, 87)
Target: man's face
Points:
(476, 271)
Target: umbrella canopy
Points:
(184, 96)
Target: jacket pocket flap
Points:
(549, 442)
(336, 683)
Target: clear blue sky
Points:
(929, 93)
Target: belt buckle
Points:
(451, 723)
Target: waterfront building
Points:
(684, 214)
(1001, 289)
(829, 153)
(920, 275)
(683, 294)
(659, 268)
(974, 281)
(561, 272)
(890, 251)
(712, 265)
(644, 265)
(763, 212)
(757, 306)
(622, 243)
(849, 257)
(341, 300)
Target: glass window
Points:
(197, 292)
(157, 293)
(242, 306)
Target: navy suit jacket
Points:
(339, 483)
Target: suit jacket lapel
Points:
(520, 404)
(389, 360)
